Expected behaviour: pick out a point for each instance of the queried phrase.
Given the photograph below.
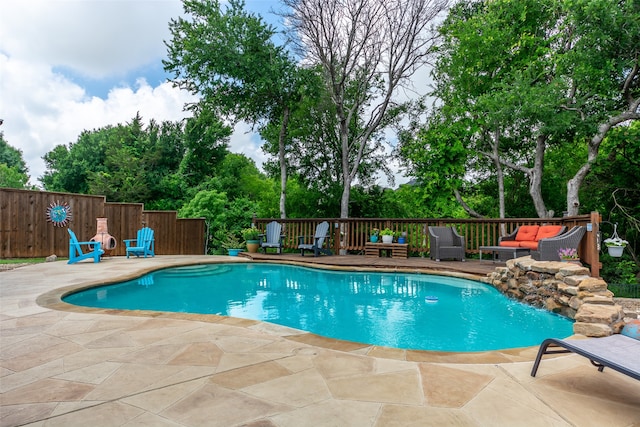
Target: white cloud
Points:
(42, 109)
(96, 38)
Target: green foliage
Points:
(250, 233)
(12, 157)
(13, 169)
(617, 271)
(10, 177)
(503, 74)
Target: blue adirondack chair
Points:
(75, 249)
(143, 245)
(273, 237)
(317, 247)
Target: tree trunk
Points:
(283, 163)
(574, 184)
(535, 179)
(500, 179)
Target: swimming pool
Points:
(409, 311)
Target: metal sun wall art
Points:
(59, 213)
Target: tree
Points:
(126, 163)
(368, 49)
(228, 57)
(520, 78)
(13, 169)
(603, 68)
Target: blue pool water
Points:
(411, 311)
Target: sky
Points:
(72, 65)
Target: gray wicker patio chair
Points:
(445, 243)
(548, 248)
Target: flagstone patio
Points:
(65, 366)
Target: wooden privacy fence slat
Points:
(26, 233)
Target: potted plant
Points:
(251, 237)
(387, 235)
(615, 246)
(374, 235)
(402, 237)
(232, 244)
(568, 254)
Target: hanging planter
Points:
(615, 245)
(615, 251)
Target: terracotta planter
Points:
(253, 245)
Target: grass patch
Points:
(21, 260)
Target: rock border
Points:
(565, 288)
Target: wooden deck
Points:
(412, 264)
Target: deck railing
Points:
(349, 235)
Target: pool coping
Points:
(53, 300)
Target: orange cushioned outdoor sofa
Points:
(528, 236)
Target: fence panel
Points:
(26, 233)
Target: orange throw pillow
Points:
(548, 231)
(527, 232)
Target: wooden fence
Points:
(351, 234)
(25, 231)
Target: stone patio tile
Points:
(114, 323)
(65, 328)
(298, 390)
(47, 390)
(91, 356)
(250, 375)
(383, 366)
(450, 387)
(15, 415)
(187, 373)
(336, 365)
(146, 335)
(37, 351)
(420, 416)
(202, 333)
(150, 420)
(241, 344)
(110, 414)
(130, 379)
(115, 339)
(153, 354)
(238, 360)
(331, 413)
(585, 396)
(160, 399)
(93, 374)
(388, 353)
(66, 407)
(11, 340)
(508, 404)
(198, 354)
(297, 363)
(213, 406)
(85, 338)
(31, 375)
(398, 387)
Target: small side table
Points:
(398, 250)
